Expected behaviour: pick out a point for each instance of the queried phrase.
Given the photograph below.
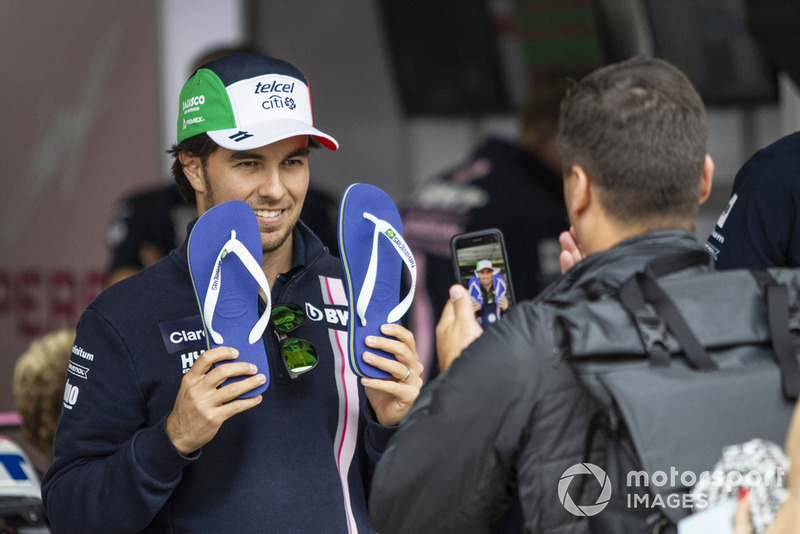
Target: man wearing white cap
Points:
(154, 438)
(488, 292)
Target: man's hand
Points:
(503, 302)
(202, 406)
(457, 327)
(570, 253)
(392, 398)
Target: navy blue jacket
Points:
(298, 462)
(760, 227)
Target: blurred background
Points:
(408, 87)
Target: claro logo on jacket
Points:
(185, 337)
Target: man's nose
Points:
(269, 184)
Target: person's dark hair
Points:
(540, 110)
(638, 128)
(200, 146)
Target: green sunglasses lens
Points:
(287, 318)
(300, 355)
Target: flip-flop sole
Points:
(237, 306)
(355, 235)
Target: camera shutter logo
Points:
(590, 509)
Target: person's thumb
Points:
(463, 306)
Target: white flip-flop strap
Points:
(212, 295)
(397, 241)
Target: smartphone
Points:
(480, 264)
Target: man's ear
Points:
(193, 169)
(706, 179)
(577, 192)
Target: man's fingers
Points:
(570, 253)
(206, 361)
(221, 373)
(566, 261)
(402, 334)
(238, 406)
(231, 391)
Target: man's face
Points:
(272, 179)
(485, 277)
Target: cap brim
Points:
(265, 133)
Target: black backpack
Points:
(679, 367)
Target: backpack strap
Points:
(653, 321)
(651, 327)
(777, 296)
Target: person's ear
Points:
(577, 192)
(193, 169)
(706, 179)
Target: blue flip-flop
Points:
(225, 263)
(372, 251)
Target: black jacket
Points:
(508, 412)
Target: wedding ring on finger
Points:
(408, 373)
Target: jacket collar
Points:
(610, 268)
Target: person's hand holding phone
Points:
(457, 327)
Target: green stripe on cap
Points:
(204, 106)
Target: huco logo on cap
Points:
(247, 101)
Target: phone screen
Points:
(480, 263)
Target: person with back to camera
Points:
(158, 440)
(487, 289)
(507, 413)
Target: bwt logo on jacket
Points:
(331, 315)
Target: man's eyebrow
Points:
(299, 153)
(239, 155)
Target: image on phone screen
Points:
(481, 265)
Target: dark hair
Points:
(200, 146)
(638, 128)
(540, 111)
